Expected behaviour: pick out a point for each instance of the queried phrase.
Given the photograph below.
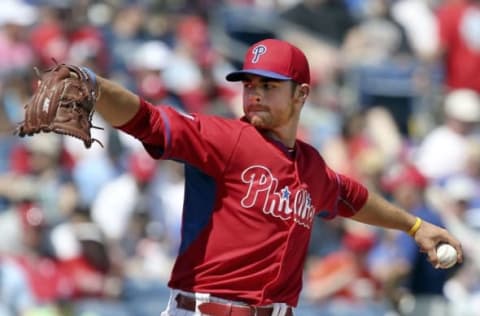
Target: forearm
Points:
(378, 211)
(115, 104)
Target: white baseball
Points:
(447, 256)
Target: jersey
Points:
(249, 204)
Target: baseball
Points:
(447, 256)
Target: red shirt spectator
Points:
(458, 23)
(344, 274)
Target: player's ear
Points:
(302, 92)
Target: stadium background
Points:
(94, 232)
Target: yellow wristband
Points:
(415, 227)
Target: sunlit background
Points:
(394, 104)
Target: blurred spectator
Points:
(183, 75)
(377, 38)
(82, 254)
(16, 60)
(443, 151)
(385, 134)
(58, 272)
(369, 140)
(40, 172)
(344, 152)
(15, 291)
(328, 19)
(16, 55)
(322, 115)
(14, 94)
(319, 28)
(342, 276)
(472, 171)
(49, 286)
(364, 54)
(132, 186)
(125, 34)
(453, 200)
(147, 65)
(460, 190)
(418, 19)
(94, 167)
(171, 184)
(134, 225)
(11, 228)
(92, 171)
(196, 71)
(458, 23)
(380, 64)
(396, 260)
(463, 291)
(63, 35)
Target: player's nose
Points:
(253, 97)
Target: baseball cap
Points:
(401, 174)
(460, 188)
(276, 59)
(152, 55)
(142, 166)
(358, 241)
(18, 13)
(463, 105)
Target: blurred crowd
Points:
(395, 104)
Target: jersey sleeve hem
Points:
(151, 126)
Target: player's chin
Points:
(257, 121)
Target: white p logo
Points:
(258, 51)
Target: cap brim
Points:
(240, 75)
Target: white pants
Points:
(279, 309)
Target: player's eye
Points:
(247, 85)
(269, 85)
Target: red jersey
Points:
(249, 204)
(458, 25)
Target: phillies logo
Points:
(284, 204)
(258, 51)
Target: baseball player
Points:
(252, 189)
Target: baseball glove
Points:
(63, 103)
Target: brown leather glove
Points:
(63, 103)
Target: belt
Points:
(224, 309)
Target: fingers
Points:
(431, 237)
(449, 239)
(430, 249)
(458, 247)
